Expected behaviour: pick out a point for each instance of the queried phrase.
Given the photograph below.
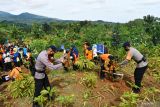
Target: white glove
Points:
(71, 57)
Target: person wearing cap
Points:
(40, 76)
(107, 65)
(141, 67)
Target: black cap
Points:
(126, 44)
(67, 50)
(111, 57)
(53, 48)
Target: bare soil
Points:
(105, 93)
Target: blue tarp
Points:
(62, 47)
(100, 48)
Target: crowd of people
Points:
(13, 56)
(108, 65)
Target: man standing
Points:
(40, 76)
(134, 54)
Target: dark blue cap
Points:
(126, 44)
(67, 50)
(111, 57)
(53, 48)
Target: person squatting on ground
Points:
(14, 74)
(40, 76)
(142, 63)
(107, 65)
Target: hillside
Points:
(28, 18)
(25, 18)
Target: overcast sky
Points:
(107, 10)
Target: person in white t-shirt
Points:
(7, 61)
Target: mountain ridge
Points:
(29, 18)
(26, 18)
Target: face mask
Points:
(126, 49)
(50, 55)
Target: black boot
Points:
(35, 104)
(75, 67)
(136, 90)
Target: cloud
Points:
(34, 4)
(108, 10)
(148, 2)
(75, 11)
(151, 2)
(94, 1)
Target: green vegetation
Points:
(89, 80)
(87, 94)
(144, 34)
(50, 93)
(66, 101)
(22, 88)
(84, 64)
(129, 99)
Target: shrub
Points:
(89, 80)
(129, 99)
(85, 64)
(22, 88)
(66, 101)
(43, 98)
(149, 94)
(38, 45)
(87, 94)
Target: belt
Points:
(40, 71)
(143, 59)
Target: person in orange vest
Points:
(107, 65)
(84, 47)
(88, 51)
(1, 57)
(15, 74)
